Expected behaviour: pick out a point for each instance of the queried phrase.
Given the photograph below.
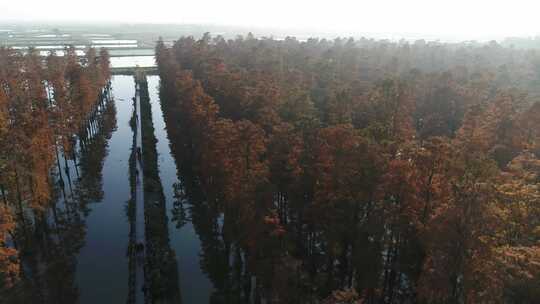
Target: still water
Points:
(84, 255)
(142, 61)
(195, 287)
(102, 265)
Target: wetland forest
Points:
(229, 168)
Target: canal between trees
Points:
(112, 236)
(102, 271)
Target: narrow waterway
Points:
(103, 263)
(120, 230)
(102, 266)
(102, 269)
(194, 283)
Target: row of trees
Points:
(46, 105)
(161, 273)
(363, 170)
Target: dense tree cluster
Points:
(46, 105)
(362, 171)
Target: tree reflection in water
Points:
(161, 276)
(222, 257)
(49, 252)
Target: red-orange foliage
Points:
(418, 187)
(43, 104)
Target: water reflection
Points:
(52, 239)
(142, 61)
(195, 285)
(161, 276)
(81, 249)
(221, 259)
(94, 151)
(102, 263)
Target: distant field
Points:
(46, 40)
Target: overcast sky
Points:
(458, 18)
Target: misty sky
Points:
(458, 18)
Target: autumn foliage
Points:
(44, 105)
(364, 171)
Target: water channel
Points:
(101, 242)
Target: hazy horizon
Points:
(459, 20)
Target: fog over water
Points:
(458, 19)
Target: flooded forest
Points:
(261, 170)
